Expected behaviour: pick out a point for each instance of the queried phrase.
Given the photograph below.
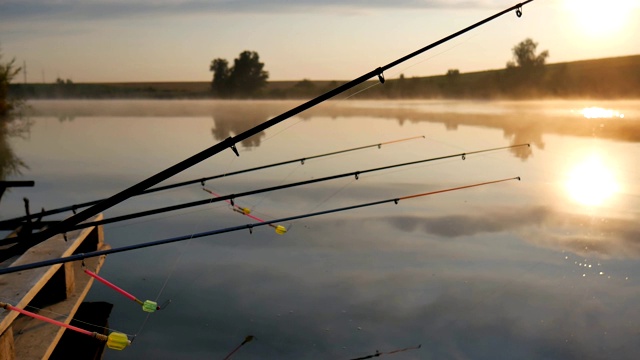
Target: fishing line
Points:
(361, 91)
(436, 55)
(332, 195)
(413, 168)
(166, 281)
(162, 288)
(119, 225)
(282, 130)
(171, 272)
(446, 143)
(410, 66)
(265, 196)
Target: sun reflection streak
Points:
(600, 113)
(591, 182)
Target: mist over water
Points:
(542, 268)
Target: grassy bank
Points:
(600, 78)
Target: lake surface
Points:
(547, 267)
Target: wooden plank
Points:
(7, 348)
(73, 345)
(20, 288)
(35, 339)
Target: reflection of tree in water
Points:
(518, 127)
(531, 135)
(10, 164)
(233, 118)
(63, 118)
(517, 132)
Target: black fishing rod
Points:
(378, 353)
(12, 223)
(249, 227)
(231, 197)
(230, 142)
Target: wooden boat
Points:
(55, 291)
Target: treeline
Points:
(70, 90)
(602, 78)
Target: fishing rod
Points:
(230, 198)
(249, 227)
(147, 305)
(246, 340)
(115, 340)
(16, 221)
(378, 353)
(230, 142)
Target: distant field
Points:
(204, 87)
(607, 78)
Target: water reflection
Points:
(594, 112)
(477, 274)
(232, 118)
(541, 225)
(10, 163)
(520, 122)
(591, 182)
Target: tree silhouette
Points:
(221, 72)
(525, 73)
(524, 55)
(7, 72)
(245, 79)
(10, 164)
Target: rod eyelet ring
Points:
(381, 75)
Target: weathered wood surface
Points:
(57, 290)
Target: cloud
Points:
(466, 225)
(106, 9)
(540, 225)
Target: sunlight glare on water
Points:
(594, 112)
(591, 181)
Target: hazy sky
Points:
(175, 40)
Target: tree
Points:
(525, 73)
(7, 72)
(245, 78)
(62, 82)
(9, 126)
(453, 74)
(524, 56)
(221, 72)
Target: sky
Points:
(176, 40)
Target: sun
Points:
(591, 182)
(599, 18)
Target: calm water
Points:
(547, 267)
